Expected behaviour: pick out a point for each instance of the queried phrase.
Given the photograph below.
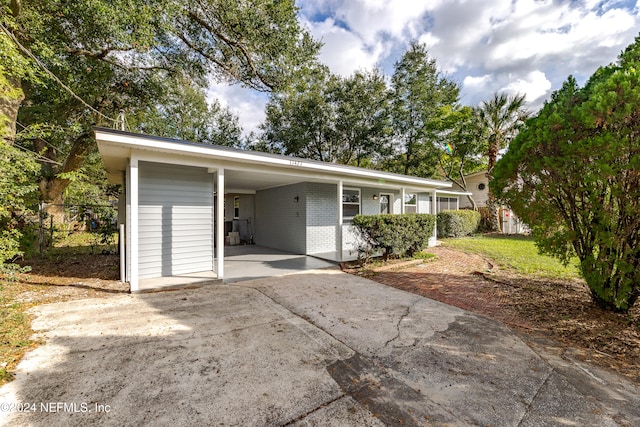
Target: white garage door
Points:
(175, 220)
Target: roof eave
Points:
(172, 146)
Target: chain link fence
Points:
(89, 228)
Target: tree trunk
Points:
(55, 210)
(51, 187)
(494, 222)
(492, 205)
(473, 202)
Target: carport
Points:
(182, 204)
(242, 262)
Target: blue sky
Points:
(526, 46)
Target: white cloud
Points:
(535, 85)
(370, 19)
(476, 82)
(343, 51)
(529, 46)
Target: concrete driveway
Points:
(315, 348)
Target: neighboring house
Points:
(478, 186)
(177, 224)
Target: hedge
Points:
(458, 223)
(400, 235)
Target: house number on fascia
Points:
(295, 163)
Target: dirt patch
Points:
(69, 277)
(560, 311)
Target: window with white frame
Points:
(447, 203)
(350, 203)
(410, 203)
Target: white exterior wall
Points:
(424, 203)
(322, 217)
(397, 203)
(281, 221)
(175, 220)
(368, 206)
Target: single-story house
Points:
(182, 202)
(478, 186)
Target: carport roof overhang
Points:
(245, 171)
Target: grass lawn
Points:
(518, 253)
(14, 331)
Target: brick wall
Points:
(322, 217)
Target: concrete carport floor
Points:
(246, 262)
(315, 348)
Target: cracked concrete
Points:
(400, 320)
(317, 348)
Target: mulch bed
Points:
(560, 311)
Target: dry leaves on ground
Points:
(69, 277)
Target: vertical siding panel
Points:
(176, 222)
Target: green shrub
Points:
(458, 223)
(399, 235)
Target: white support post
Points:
(402, 196)
(134, 190)
(121, 249)
(434, 203)
(434, 211)
(339, 225)
(220, 224)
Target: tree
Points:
(462, 141)
(325, 117)
(503, 116)
(185, 114)
(362, 118)
(98, 57)
(16, 198)
(419, 91)
(572, 175)
(259, 43)
(18, 167)
(300, 119)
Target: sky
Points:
(486, 46)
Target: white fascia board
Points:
(303, 166)
(453, 192)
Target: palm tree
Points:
(502, 115)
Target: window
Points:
(350, 202)
(236, 207)
(447, 203)
(410, 203)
